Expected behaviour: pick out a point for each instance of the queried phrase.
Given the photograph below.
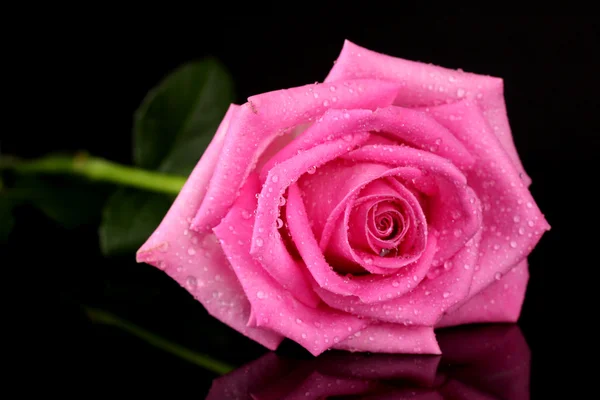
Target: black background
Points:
(550, 70)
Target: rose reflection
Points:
(478, 362)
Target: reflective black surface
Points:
(477, 363)
(550, 68)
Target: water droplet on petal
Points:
(191, 251)
(529, 205)
(259, 242)
(467, 266)
(513, 244)
(445, 295)
(530, 223)
(384, 252)
(368, 260)
(516, 218)
(191, 282)
(395, 284)
(278, 223)
(261, 295)
(246, 214)
(498, 276)
(336, 339)
(303, 336)
(274, 178)
(521, 231)
(298, 321)
(312, 170)
(460, 92)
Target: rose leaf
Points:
(129, 218)
(178, 118)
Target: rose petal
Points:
(376, 264)
(513, 221)
(454, 211)
(419, 130)
(424, 305)
(269, 115)
(196, 261)
(499, 302)
(428, 85)
(371, 288)
(332, 125)
(392, 338)
(267, 243)
(273, 307)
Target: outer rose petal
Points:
(265, 117)
(392, 338)
(267, 243)
(196, 261)
(273, 307)
(427, 85)
(513, 224)
(499, 302)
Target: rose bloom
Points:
(360, 213)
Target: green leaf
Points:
(7, 218)
(129, 218)
(179, 117)
(69, 202)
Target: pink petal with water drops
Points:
(267, 243)
(453, 210)
(196, 261)
(335, 123)
(392, 338)
(417, 129)
(370, 288)
(273, 307)
(429, 85)
(375, 263)
(269, 115)
(424, 305)
(513, 223)
(499, 302)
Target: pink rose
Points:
(493, 362)
(359, 213)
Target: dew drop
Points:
(516, 218)
(458, 232)
(191, 282)
(530, 223)
(325, 103)
(246, 214)
(371, 338)
(498, 276)
(395, 284)
(529, 204)
(191, 251)
(303, 336)
(348, 137)
(332, 88)
(460, 92)
(259, 242)
(513, 244)
(336, 339)
(467, 266)
(261, 295)
(445, 295)
(521, 231)
(312, 170)
(298, 321)
(384, 252)
(368, 260)
(274, 178)
(278, 223)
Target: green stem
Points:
(97, 169)
(202, 360)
